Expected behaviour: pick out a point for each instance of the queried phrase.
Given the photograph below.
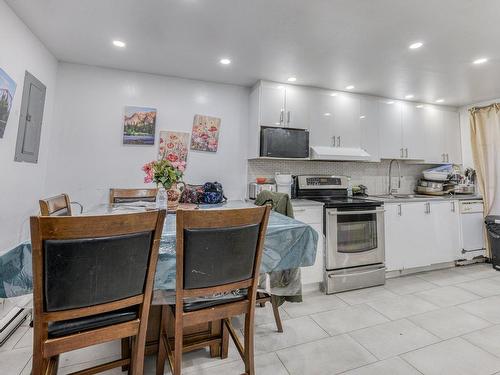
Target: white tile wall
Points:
(373, 175)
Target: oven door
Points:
(354, 237)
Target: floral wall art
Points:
(174, 146)
(7, 90)
(205, 134)
(139, 126)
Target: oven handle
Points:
(338, 213)
(331, 275)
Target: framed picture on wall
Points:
(174, 146)
(139, 126)
(7, 91)
(205, 133)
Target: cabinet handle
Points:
(428, 208)
(452, 206)
(338, 141)
(333, 141)
(447, 158)
(399, 210)
(281, 116)
(288, 115)
(406, 153)
(402, 154)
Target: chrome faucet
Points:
(390, 176)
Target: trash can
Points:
(493, 229)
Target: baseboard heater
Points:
(10, 322)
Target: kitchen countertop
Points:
(305, 203)
(421, 198)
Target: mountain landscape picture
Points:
(139, 126)
(7, 90)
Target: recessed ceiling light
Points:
(416, 45)
(328, 114)
(409, 96)
(390, 102)
(280, 87)
(119, 43)
(291, 79)
(333, 94)
(482, 60)
(362, 116)
(439, 100)
(420, 106)
(225, 61)
(350, 87)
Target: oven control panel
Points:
(322, 182)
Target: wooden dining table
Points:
(289, 244)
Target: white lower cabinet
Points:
(313, 215)
(419, 234)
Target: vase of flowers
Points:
(167, 175)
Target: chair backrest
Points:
(219, 250)
(132, 195)
(84, 265)
(59, 205)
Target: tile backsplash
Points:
(373, 175)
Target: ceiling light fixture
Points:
(350, 87)
(333, 94)
(481, 60)
(416, 45)
(225, 61)
(439, 100)
(119, 43)
(390, 102)
(291, 79)
(362, 116)
(420, 106)
(328, 114)
(409, 96)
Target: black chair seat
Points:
(198, 305)
(68, 327)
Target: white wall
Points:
(87, 154)
(465, 130)
(21, 184)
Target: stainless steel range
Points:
(354, 231)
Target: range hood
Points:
(338, 153)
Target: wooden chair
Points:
(218, 251)
(92, 283)
(132, 195)
(60, 205)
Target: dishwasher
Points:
(472, 236)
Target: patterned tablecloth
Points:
(289, 244)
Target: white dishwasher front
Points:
(472, 229)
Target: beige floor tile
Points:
(487, 339)
(444, 277)
(408, 285)
(399, 307)
(448, 296)
(356, 297)
(12, 362)
(394, 338)
(486, 308)
(393, 366)
(325, 357)
(453, 357)
(483, 287)
(313, 303)
(348, 319)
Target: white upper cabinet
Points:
(390, 129)
(368, 122)
(297, 107)
(434, 135)
(346, 127)
(413, 132)
(272, 104)
(451, 124)
(321, 112)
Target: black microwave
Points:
(284, 142)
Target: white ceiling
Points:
(324, 43)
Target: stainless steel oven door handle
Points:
(330, 276)
(338, 213)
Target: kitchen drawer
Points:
(309, 215)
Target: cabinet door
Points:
(451, 124)
(417, 234)
(445, 229)
(321, 112)
(395, 237)
(390, 132)
(434, 135)
(413, 132)
(297, 107)
(314, 273)
(272, 104)
(368, 120)
(346, 125)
